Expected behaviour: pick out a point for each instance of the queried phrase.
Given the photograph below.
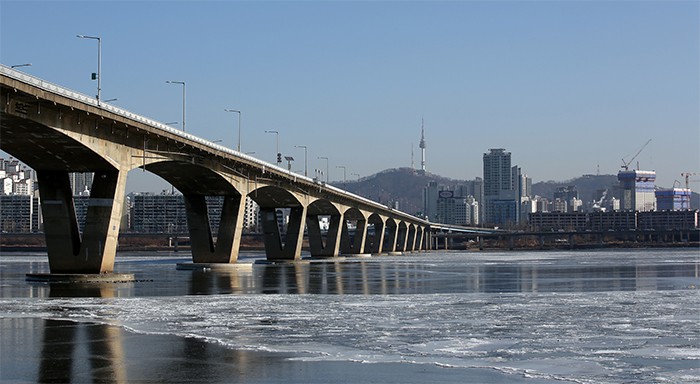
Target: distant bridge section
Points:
(57, 131)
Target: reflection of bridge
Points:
(56, 131)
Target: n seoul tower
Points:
(422, 147)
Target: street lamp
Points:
(358, 176)
(325, 158)
(21, 65)
(183, 100)
(344, 169)
(239, 126)
(305, 159)
(97, 75)
(279, 155)
(289, 162)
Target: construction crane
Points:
(625, 164)
(687, 175)
(598, 205)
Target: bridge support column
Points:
(228, 239)
(420, 233)
(332, 245)
(274, 247)
(95, 252)
(390, 238)
(375, 243)
(357, 245)
(401, 237)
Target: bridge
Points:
(57, 131)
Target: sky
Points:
(568, 87)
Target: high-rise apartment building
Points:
(430, 198)
(501, 191)
(19, 213)
(81, 182)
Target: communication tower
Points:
(422, 147)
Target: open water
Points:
(608, 316)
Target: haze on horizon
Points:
(569, 88)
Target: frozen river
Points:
(609, 316)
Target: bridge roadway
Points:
(56, 131)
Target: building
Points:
(81, 182)
(667, 220)
(158, 213)
(451, 209)
(553, 221)
(19, 214)
(637, 189)
(251, 217)
(430, 201)
(601, 221)
(674, 199)
(502, 194)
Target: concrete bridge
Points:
(57, 131)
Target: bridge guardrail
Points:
(77, 96)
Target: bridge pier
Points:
(228, 239)
(356, 245)
(93, 253)
(389, 234)
(375, 243)
(401, 237)
(332, 246)
(275, 248)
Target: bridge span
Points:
(57, 131)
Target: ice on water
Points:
(647, 333)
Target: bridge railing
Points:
(89, 100)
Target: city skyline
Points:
(569, 88)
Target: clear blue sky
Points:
(565, 86)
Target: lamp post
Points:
(358, 176)
(20, 65)
(344, 169)
(98, 75)
(306, 163)
(325, 158)
(279, 155)
(289, 162)
(183, 100)
(239, 126)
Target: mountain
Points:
(402, 185)
(586, 185)
(405, 187)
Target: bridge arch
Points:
(374, 241)
(390, 232)
(196, 182)
(274, 202)
(401, 236)
(411, 238)
(317, 211)
(354, 232)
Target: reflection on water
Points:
(375, 276)
(62, 362)
(100, 353)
